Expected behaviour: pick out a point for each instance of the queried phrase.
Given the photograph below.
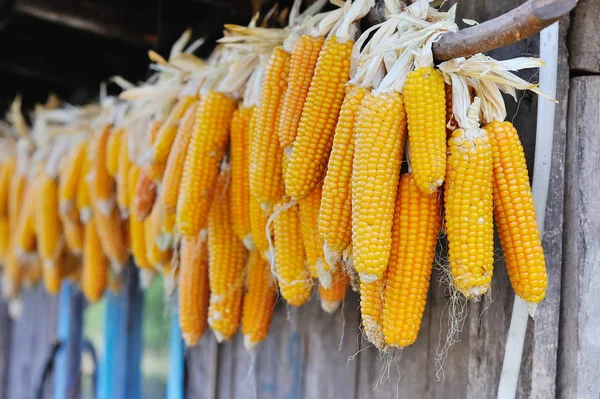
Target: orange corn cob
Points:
(258, 224)
(70, 178)
(335, 222)
(165, 136)
(293, 276)
(310, 152)
(226, 266)
(83, 199)
(175, 163)
(266, 180)
(101, 185)
(240, 185)
(424, 97)
(332, 297)
(154, 170)
(417, 221)
(206, 149)
(259, 301)
(372, 298)
(144, 197)
(380, 134)
(16, 198)
(112, 151)
(193, 289)
(4, 238)
(122, 178)
(157, 257)
(302, 67)
(74, 234)
(94, 276)
(115, 236)
(7, 170)
(514, 213)
(47, 221)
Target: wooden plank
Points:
(202, 368)
(579, 353)
(585, 37)
(538, 370)
(5, 345)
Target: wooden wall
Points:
(310, 354)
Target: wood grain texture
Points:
(585, 37)
(579, 355)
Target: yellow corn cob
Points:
(226, 266)
(469, 209)
(70, 178)
(123, 175)
(266, 180)
(137, 237)
(332, 297)
(310, 152)
(372, 298)
(112, 151)
(380, 134)
(193, 289)
(115, 236)
(74, 234)
(16, 198)
(302, 67)
(425, 100)
(83, 198)
(157, 257)
(417, 221)
(515, 214)
(335, 215)
(25, 228)
(52, 281)
(174, 169)
(166, 236)
(293, 276)
(7, 170)
(4, 238)
(133, 176)
(94, 276)
(101, 185)
(206, 149)
(144, 197)
(259, 301)
(308, 209)
(165, 136)
(155, 170)
(258, 224)
(240, 185)
(47, 221)
(53, 275)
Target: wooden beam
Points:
(96, 24)
(584, 45)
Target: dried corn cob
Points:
(165, 136)
(70, 179)
(74, 234)
(259, 301)
(372, 298)
(335, 215)
(123, 186)
(154, 170)
(144, 197)
(47, 221)
(94, 276)
(515, 214)
(258, 224)
(7, 170)
(266, 181)
(4, 238)
(158, 257)
(332, 297)
(193, 288)
(101, 185)
(417, 221)
(202, 161)
(115, 237)
(226, 266)
(112, 151)
(380, 135)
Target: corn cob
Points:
(83, 198)
(372, 298)
(154, 170)
(70, 177)
(174, 169)
(101, 185)
(94, 276)
(259, 301)
(335, 221)
(165, 136)
(515, 214)
(137, 237)
(193, 288)
(25, 228)
(7, 170)
(207, 146)
(424, 96)
(74, 234)
(417, 221)
(144, 197)
(112, 151)
(16, 198)
(302, 67)
(114, 235)
(226, 266)
(53, 275)
(32, 272)
(379, 142)
(4, 238)
(240, 185)
(266, 180)
(123, 186)
(469, 208)
(258, 224)
(157, 257)
(291, 271)
(310, 151)
(332, 297)
(47, 221)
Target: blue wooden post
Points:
(69, 333)
(120, 371)
(176, 362)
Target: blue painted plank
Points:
(176, 362)
(120, 371)
(69, 334)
